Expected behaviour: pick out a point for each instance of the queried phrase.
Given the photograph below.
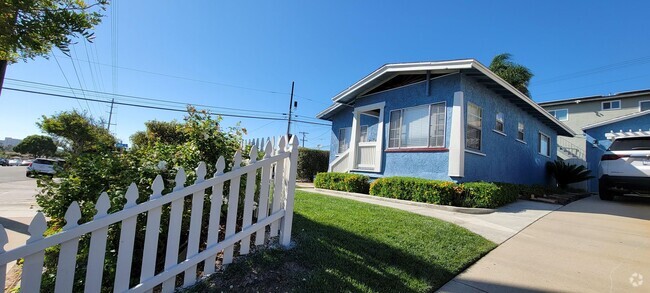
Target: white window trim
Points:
(523, 132)
(521, 141)
(360, 132)
(499, 132)
(480, 146)
(644, 101)
(475, 152)
(550, 142)
(552, 112)
(503, 122)
(602, 105)
(401, 118)
(339, 144)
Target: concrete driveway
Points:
(586, 246)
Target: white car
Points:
(43, 166)
(625, 168)
(15, 162)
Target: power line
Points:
(161, 108)
(66, 79)
(581, 73)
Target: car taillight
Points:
(30, 164)
(609, 157)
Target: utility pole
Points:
(110, 116)
(290, 110)
(303, 137)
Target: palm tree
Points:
(517, 75)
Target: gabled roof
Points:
(617, 119)
(623, 95)
(469, 67)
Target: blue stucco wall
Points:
(597, 135)
(505, 160)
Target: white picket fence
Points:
(274, 210)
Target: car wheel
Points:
(604, 193)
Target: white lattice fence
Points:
(274, 210)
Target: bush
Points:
(312, 162)
(488, 195)
(343, 182)
(566, 174)
(416, 189)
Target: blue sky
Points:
(245, 54)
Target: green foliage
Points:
(416, 189)
(77, 132)
(516, 75)
(159, 131)
(37, 145)
(488, 194)
(566, 174)
(311, 162)
(343, 182)
(32, 28)
(91, 171)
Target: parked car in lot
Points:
(25, 162)
(625, 168)
(4, 162)
(43, 166)
(15, 162)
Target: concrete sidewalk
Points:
(497, 227)
(586, 246)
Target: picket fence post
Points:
(33, 264)
(216, 200)
(290, 175)
(233, 202)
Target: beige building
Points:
(580, 112)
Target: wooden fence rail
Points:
(274, 209)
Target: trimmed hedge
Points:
(312, 162)
(416, 189)
(471, 194)
(343, 182)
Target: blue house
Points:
(447, 120)
(599, 137)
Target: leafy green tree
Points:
(517, 75)
(159, 131)
(77, 132)
(37, 145)
(29, 29)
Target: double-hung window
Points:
(344, 139)
(500, 123)
(644, 106)
(544, 145)
(421, 126)
(520, 131)
(611, 105)
(364, 133)
(474, 127)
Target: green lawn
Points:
(344, 245)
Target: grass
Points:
(344, 245)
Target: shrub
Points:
(416, 189)
(566, 174)
(312, 162)
(488, 195)
(343, 182)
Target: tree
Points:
(37, 145)
(77, 132)
(566, 174)
(29, 29)
(159, 131)
(517, 75)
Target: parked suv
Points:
(43, 166)
(625, 168)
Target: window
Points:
(644, 105)
(520, 131)
(611, 105)
(560, 114)
(474, 127)
(544, 145)
(499, 126)
(364, 133)
(344, 139)
(421, 126)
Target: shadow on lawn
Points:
(338, 260)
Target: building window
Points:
(544, 145)
(611, 105)
(520, 131)
(644, 105)
(474, 127)
(421, 126)
(499, 125)
(344, 139)
(363, 137)
(560, 114)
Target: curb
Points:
(473, 211)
